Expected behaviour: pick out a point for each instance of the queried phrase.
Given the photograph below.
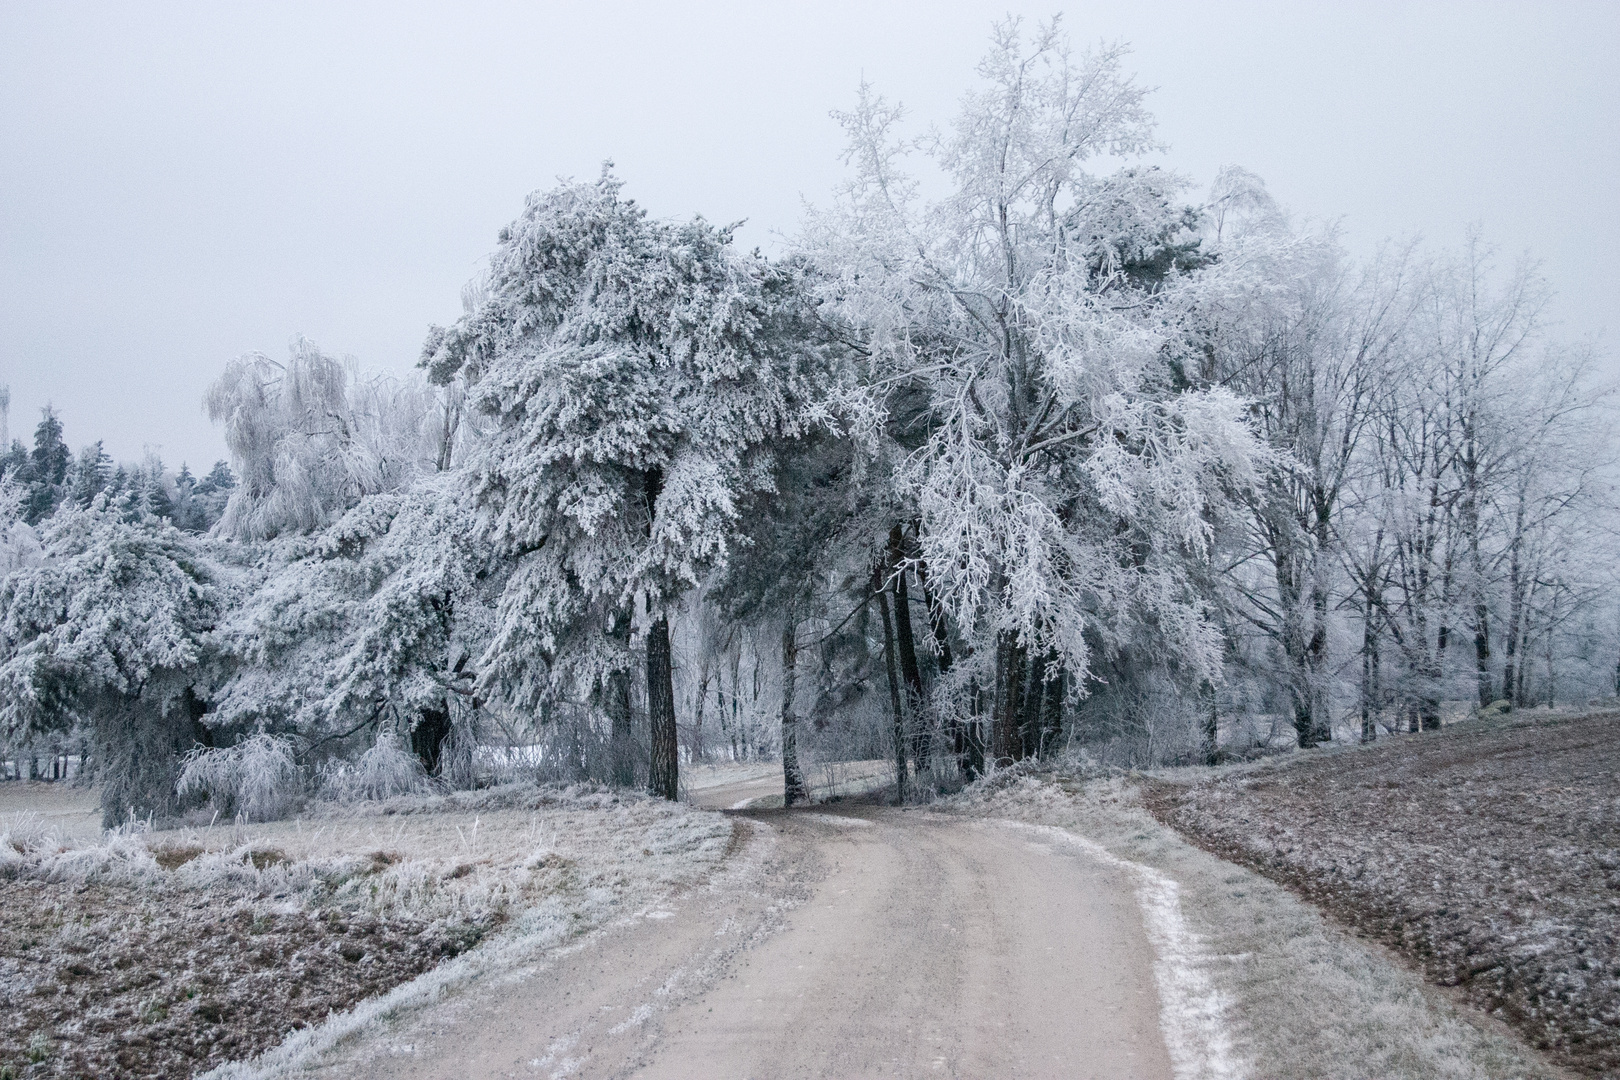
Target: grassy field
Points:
(170, 953)
(1487, 854)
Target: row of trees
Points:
(49, 476)
(1061, 457)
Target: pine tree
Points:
(114, 625)
(92, 472)
(640, 372)
(48, 466)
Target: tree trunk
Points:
(427, 737)
(1052, 693)
(1029, 725)
(1368, 728)
(1515, 604)
(1212, 725)
(894, 687)
(663, 778)
(793, 785)
(663, 775)
(970, 736)
(921, 740)
(1005, 739)
(621, 736)
(704, 674)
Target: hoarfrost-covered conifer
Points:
(639, 372)
(19, 543)
(369, 622)
(115, 628)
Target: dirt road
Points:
(861, 942)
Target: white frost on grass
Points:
(1192, 1011)
(599, 857)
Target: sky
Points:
(184, 183)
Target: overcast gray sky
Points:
(180, 184)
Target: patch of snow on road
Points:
(1192, 1011)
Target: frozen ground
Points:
(1487, 854)
(168, 953)
(1295, 995)
(1031, 926)
(839, 942)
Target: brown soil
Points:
(127, 981)
(1489, 854)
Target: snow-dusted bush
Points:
(382, 772)
(255, 780)
(115, 626)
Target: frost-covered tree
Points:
(1315, 342)
(369, 623)
(1038, 320)
(113, 629)
(310, 437)
(45, 468)
(19, 543)
(639, 372)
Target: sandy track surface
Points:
(870, 942)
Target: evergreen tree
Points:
(92, 472)
(640, 372)
(48, 466)
(113, 626)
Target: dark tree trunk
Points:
(621, 737)
(1029, 727)
(663, 773)
(428, 735)
(1369, 727)
(1429, 712)
(616, 703)
(663, 776)
(1212, 725)
(894, 687)
(1011, 665)
(921, 740)
(1515, 608)
(1053, 691)
(794, 788)
(970, 736)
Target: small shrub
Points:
(255, 780)
(172, 858)
(384, 771)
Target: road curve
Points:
(875, 942)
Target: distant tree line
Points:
(50, 476)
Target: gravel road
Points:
(860, 942)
